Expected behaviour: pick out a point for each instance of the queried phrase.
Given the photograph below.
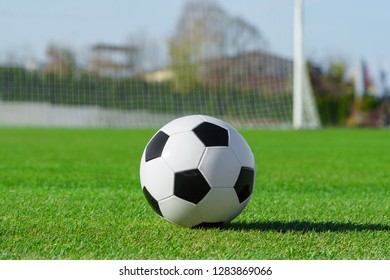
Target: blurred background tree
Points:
(61, 60)
(205, 31)
(334, 92)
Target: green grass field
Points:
(75, 194)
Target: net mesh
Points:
(216, 63)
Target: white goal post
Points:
(305, 113)
(214, 63)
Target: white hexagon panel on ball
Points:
(183, 151)
(182, 124)
(241, 149)
(179, 211)
(220, 167)
(162, 182)
(220, 205)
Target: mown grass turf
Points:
(75, 194)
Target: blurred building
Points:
(252, 70)
(113, 60)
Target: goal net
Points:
(234, 64)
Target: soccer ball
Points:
(197, 171)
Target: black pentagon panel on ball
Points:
(244, 184)
(152, 202)
(212, 135)
(156, 146)
(191, 186)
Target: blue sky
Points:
(349, 29)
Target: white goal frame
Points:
(305, 113)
